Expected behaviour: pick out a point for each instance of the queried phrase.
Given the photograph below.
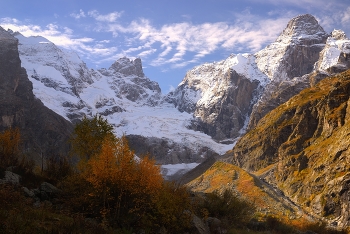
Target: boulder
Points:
(11, 178)
(201, 226)
(49, 189)
(28, 193)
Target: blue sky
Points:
(170, 37)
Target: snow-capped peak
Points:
(30, 40)
(279, 60)
(213, 93)
(301, 26)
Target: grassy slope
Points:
(222, 176)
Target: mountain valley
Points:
(272, 126)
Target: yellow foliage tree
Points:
(126, 186)
(123, 190)
(149, 182)
(103, 170)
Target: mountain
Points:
(297, 135)
(295, 51)
(211, 108)
(298, 131)
(122, 94)
(300, 57)
(230, 96)
(42, 130)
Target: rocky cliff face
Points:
(41, 129)
(128, 80)
(307, 140)
(220, 95)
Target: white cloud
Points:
(111, 17)
(105, 41)
(146, 53)
(304, 4)
(79, 15)
(176, 41)
(61, 36)
(345, 16)
(175, 44)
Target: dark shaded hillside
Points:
(307, 138)
(41, 129)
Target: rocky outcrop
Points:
(277, 93)
(128, 80)
(128, 67)
(41, 129)
(307, 139)
(226, 117)
(335, 57)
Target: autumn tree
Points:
(102, 171)
(123, 191)
(127, 188)
(148, 184)
(88, 136)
